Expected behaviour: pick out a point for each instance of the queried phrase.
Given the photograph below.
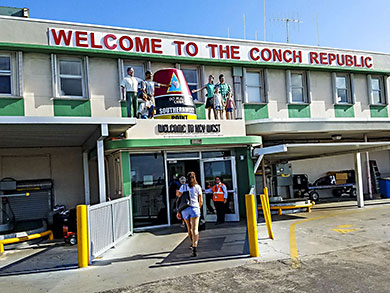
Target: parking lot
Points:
(337, 242)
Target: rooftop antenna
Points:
(318, 33)
(288, 20)
(228, 32)
(256, 34)
(264, 23)
(244, 27)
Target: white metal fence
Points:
(108, 223)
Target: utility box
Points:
(283, 180)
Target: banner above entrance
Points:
(206, 49)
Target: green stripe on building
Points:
(181, 142)
(344, 111)
(126, 174)
(11, 107)
(379, 111)
(200, 111)
(298, 111)
(255, 111)
(180, 59)
(72, 108)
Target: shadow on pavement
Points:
(217, 243)
(54, 258)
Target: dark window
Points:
(5, 75)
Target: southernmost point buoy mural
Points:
(175, 101)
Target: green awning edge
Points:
(181, 142)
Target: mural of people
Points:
(218, 103)
(129, 88)
(230, 106)
(224, 88)
(148, 87)
(210, 96)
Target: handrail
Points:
(24, 238)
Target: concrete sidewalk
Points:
(164, 254)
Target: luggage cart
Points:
(303, 187)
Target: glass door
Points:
(225, 168)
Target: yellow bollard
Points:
(267, 216)
(267, 198)
(82, 236)
(252, 225)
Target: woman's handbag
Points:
(184, 201)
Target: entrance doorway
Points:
(176, 169)
(206, 165)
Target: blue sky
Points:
(350, 24)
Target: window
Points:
(139, 70)
(343, 88)
(376, 90)
(71, 77)
(298, 87)
(191, 76)
(254, 87)
(5, 75)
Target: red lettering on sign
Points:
(285, 57)
(61, 36)
(323, 58)
(331, 58)
(277, 54)
(178, 46)
(342, 61)
(93, 44)
(106, 43)
(142, 46)
(213, 47)
(368, 61)
(297, 55)
(235, 51)
(251, 54)
(223, 51)
(81, 37)
(355, 62)
(156, 45)
(348, 60)
(266, 57)
(122, 45)
(194, 49)
(313, 57)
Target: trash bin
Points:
(384, 186)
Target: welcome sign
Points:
(205, 48)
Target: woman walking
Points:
(191, 214)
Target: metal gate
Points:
(108, 223)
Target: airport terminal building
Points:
(312, 109)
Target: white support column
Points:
(369, 186)
(101, 171)
(87, 195)
(100, 161)
(359, 180)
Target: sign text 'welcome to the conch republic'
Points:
(205, 48)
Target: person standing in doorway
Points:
(210, 96)
(129, 88)
(191, 214)
(220, 197)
